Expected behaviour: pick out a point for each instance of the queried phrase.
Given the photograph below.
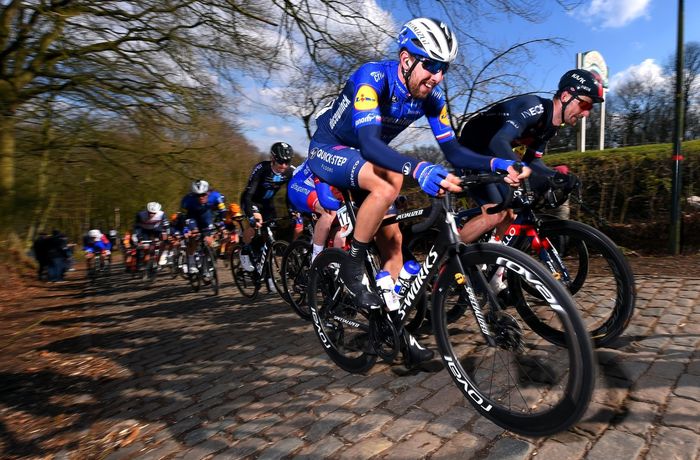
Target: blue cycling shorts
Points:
(301, 195)
(336, 165)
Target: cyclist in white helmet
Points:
(150, 224)
(350, 150)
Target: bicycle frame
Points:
(443, 249)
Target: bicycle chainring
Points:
(384, 337)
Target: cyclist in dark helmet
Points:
(519, 129)
(265, 180)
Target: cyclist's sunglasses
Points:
(585, 105)
(433, 66)
(200, 195)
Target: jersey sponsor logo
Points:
(532, 111)
(515, 125)
(366, 98)
(344, 103)
(298, 188)
(334, 160)
(406, 169)
(444, 117)
(369, 118)
(377, 75)
(352, 173)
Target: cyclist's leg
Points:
(345, 168)
(486, 196)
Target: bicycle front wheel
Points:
(596, 273)
(342, 328)
(248, 283)
(209, 274)
(295, 275)
(277, 251)
(510, 374)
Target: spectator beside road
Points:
(40, 254)
(56, 256)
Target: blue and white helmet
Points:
(430, 38)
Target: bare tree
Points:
(691, 85)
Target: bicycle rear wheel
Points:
(342, 328)
(518, 380)
(248, 283)
(295, 275)
(596, 273)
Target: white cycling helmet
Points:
(94, 233)
(430, 38)
(200, 186)
(153, 206)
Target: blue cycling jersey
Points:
(203, 214)
(373, 108)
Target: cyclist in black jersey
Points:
(264, 182)
(519, 129)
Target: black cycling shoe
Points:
(413, 351)
(353, 275)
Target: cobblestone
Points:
(217, 377)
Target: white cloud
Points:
(613, 13)
(279, 130)
(648, 71)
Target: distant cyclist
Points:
(519, 129)
(151, 224)
(96, 244)
(266, 179)
(200, 208)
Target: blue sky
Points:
(634, 36)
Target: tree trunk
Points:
(7, 155)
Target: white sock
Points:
(317, 249)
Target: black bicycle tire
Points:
(241, 278)
(580, 377)
(318, 274)
(620, 316)
(210, 259)
(274, 267)
(297, 302)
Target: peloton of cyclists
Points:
(350, 146)
(519, 129)
(200, 208)
(266, 179)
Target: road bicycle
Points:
(99, 264)
(204, 261)
(512, 375)
(266, 259)
(582, 258)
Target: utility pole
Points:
(677, 179)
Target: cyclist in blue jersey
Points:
(201, 207)
(350, 146)
(307, 194)
(265, 180)
(519, 129)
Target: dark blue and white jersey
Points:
(262, 186)
(521, 121)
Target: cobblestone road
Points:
(120, 371)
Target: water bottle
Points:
(409, 270)
(385, 285)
